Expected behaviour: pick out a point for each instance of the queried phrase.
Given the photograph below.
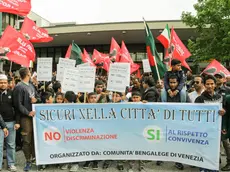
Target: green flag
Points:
(76, 54)
(157, 66)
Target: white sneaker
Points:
(74, 167)
(64, 166)
(12, 168)
(130, 170)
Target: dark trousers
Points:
(27, 138)
(226, 146)
(18, 138)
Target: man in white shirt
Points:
(199, 88)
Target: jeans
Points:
(28, 138)
(10, 144)
(182, 93)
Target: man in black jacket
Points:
(24, 95)
(150, 94)
(210, 96)
(223, 90)
(12, 123)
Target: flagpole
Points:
(11, 66)
(158, 75)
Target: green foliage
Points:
(212, 23)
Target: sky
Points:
(103, 11)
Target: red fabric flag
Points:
(68, 53)
(34, 33)
(101, 58)
(114, 51)
(134, 67)
(86, 58)
(18, 7)
(139, 74)
(178, 49)
(216, 67)
(15, 47)
(126, 58)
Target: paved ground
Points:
(150, 167)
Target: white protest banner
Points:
(70, 80)
(62, 65)
(146, 65)
(128, 72)
(67, 62)
(44, 69)
(119, 76)
(60, 72)
(86, 78)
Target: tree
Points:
(212, 23)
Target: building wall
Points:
(41, 22)
(137, 51)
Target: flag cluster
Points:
(17, 46)
(117, 54)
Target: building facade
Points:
(98, 36)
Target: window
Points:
(133, 55)
(50, 52)
(38, 52)
(140, 56)
(58, 54)
(12, 22)
(4, 21)
(43, 52)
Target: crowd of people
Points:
(17, 94)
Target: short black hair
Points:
(99, 82)
(175, 62)
(136, 93)
(59, 94)
(70, 96)
(207, 77)
(91, 94)
(149, 81)
(23, 72)
(119, 93)
(45, 96)
(173, 76)
(199, 76)
(56, 86)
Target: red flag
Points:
(101, 58)
(86, 58)
(134, 67)
(114, 50)
(34, 33)
(216, 67)
(68, 53)
(139, 74)
(178, 49)
(16, 47)
(18, 7)
(125, 56)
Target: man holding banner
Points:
(209, 96)
(23, 98)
